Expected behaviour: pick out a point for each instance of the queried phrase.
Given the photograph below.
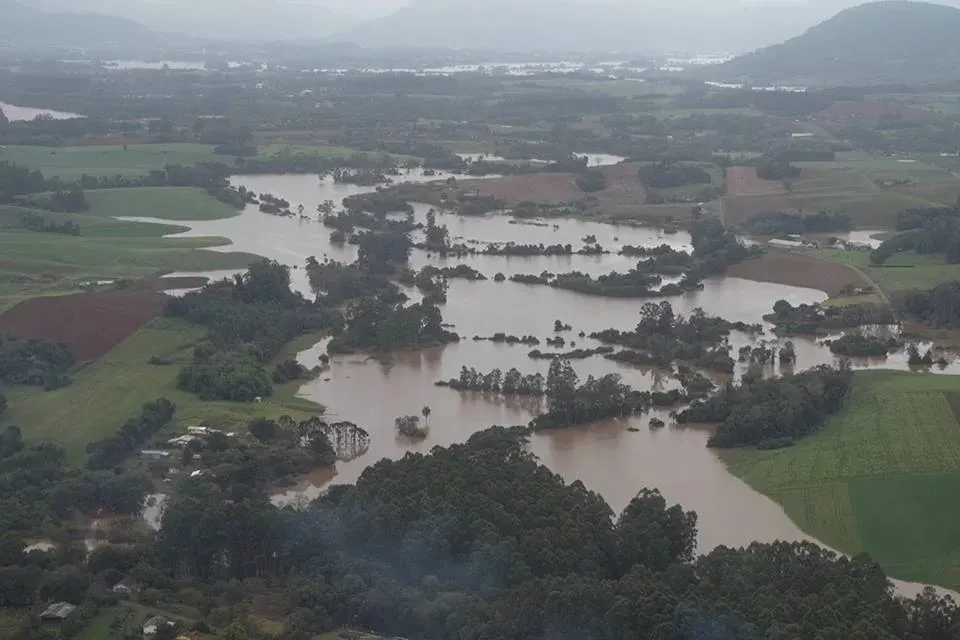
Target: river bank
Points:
(616, 458)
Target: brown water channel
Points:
(606, 457)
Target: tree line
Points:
(773, 412)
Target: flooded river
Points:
(606, 457)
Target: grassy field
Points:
(167, 203)
(902, 272)
(33, 263)
(111, 390)
(847, 185)
(112, 160)
(880, 477)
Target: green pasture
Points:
(902, 272)
(879, 477)
(168, 203)
(107, 392)
(109, 160)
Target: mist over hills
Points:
(20, 23)
(241, 20)
(887, 42)
(735, 26)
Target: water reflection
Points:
(17, 113)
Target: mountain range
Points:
(887, 42)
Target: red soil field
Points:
(89, 324)
(799, 270)
(743, 181)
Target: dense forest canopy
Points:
(480, 541)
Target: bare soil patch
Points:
(89, 324)
(743, 181)
(740, 209)
(624, 193)
(780, 267)
(542, 188)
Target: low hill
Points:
(888, 42)
(21, 24)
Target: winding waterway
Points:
(606, 457)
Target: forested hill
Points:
(25, 25)
(893, 41)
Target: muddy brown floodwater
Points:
(605, 456)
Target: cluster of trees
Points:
(575, 354)
(666, 174)
(715, 249)
(503, 338)
(665, 337)
(364, 177)
(776, 168)
(514, 249)
(815, 318)
(436, 237)
(772, 412)
(274, 205)
(591, 181)
(18, 182)
(931, 230)
(35, 362)
(780, 223)
(511, 383)
(376, 324)
(34, 222)
(859, 345)
(288, 448)
(573, 403)
(248, 319)
(110, 452)
(937, 307)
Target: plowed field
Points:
(89, 324)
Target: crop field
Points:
(109, 391)
(109, 160)
(847, 185)
(167, 203)
(880, 477)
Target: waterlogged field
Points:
(108, 160)
(880, 477)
